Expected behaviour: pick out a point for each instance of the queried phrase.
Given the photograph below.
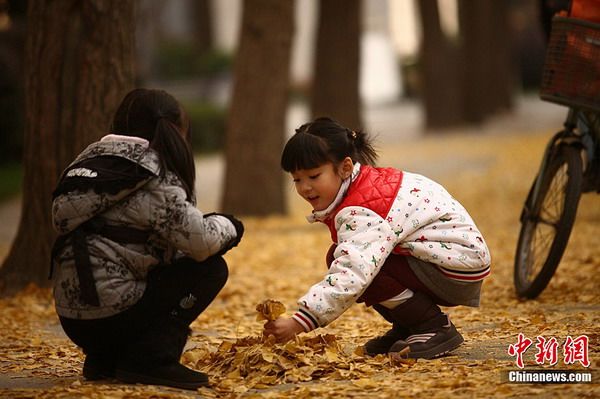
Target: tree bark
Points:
(335, 88)
(488, 68)
(474, 26)
(12, 60)
(203, 37)
(256, 122)
(503, 64)
(440, 77)
(79, 64)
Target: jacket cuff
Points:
(306, 320)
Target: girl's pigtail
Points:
(176, 155)
(363, 147)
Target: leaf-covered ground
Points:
(281, 256)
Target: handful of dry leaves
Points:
(269, 310)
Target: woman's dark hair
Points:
(157, 117)
(324, 140)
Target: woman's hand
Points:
(283, 329)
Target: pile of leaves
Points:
(254, 362)
(258, 362)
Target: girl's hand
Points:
(283, 329)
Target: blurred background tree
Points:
(203, 37)
(335, 86)
(77, 69)
(439, 70)
(12, 48)
(469, 77)
(487, 66)
(256, 123)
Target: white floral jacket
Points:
(388, 211)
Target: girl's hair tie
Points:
(352, 134)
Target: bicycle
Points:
(571, 162)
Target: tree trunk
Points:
(203, 38)
(78, 67)
(256, 122)
(439, 60)
(503, 66)
(474, 26)
(12, 51)
(488, 69)
(335, 88)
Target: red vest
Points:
(373, 188)
(376, 189)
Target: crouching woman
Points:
(136, 262)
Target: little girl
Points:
(136, 262)
(401, 244)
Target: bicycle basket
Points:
(571, 74)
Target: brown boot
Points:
(171, 374)
(154, 359)
(99, 366)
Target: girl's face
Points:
(319, 186)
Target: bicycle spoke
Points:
(555, 198)
(558, 194)
(544, 238)
(553, 205)
(534, 260)
(541, 242)
(527, 255)
(548, 223)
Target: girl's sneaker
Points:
(382, 344)
(431, 334)
(429, 340)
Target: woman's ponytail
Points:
(175, 154)
(156, 116)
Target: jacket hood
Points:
(103, 174)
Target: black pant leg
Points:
(184, 289)
(156, 327)
(107, 336)
(176, 294)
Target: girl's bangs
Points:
(304, 151)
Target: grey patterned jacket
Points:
(157, 205)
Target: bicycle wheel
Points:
(547, 222)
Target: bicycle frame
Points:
(585, 140)
(589, 126)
